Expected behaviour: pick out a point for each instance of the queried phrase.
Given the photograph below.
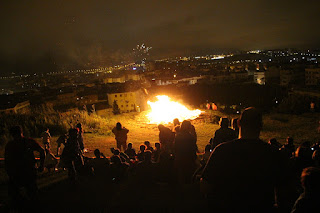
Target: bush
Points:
(42, 117)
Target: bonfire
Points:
(164, 111)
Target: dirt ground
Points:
(280, 126)
(138, 133)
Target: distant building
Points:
(312, 76)
(121, 78)
(259, 78)
(66, 97)
(83, 99)
(133, 77)
(129, 101)
(109, 80)
(290, 77)
(87, 95)
(272, 75)
(231, 77)
(186, 81)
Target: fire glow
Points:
(164, 111)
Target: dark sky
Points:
(169, 26)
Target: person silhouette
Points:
(185, 152)
(244, 174)
(20, 165)
(46, 138)
(308, 201)
(121, 136)
(223, 134)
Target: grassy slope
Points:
(300, 127)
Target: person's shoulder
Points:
(231, 143)
(226, 145)
(32, 142)
(9, 145)
(301, 204)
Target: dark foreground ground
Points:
(93, 195)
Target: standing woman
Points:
(80, 137)
(185, 149)
(121, 136)
(72, 156)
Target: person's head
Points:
(250, 123)
(157, 145)
(310, 180)
(161, 127)
(46, 129)
(142, 147)
(224, 122)
(273, 142)
(176, 122)
(306, 144)
(16, 132)
(112, 150)
(185, 126)
(207, 148)
(79, 126)
(73, 133)
(289, 140)
(303, 152)
(147, 155)
(147, 143)
(129, 145)
(97, 153)
(116, 151)
(118, 126)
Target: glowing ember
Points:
(164, 111)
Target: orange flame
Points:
(164, 111)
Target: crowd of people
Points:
(237, 172)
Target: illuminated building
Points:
(129, 101)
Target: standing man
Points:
(121, 136)
(166, 138)
(223, 134)
(46, 138)
(244, 175)
(20, 165)
(72, 156)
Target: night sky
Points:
(32, 28)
